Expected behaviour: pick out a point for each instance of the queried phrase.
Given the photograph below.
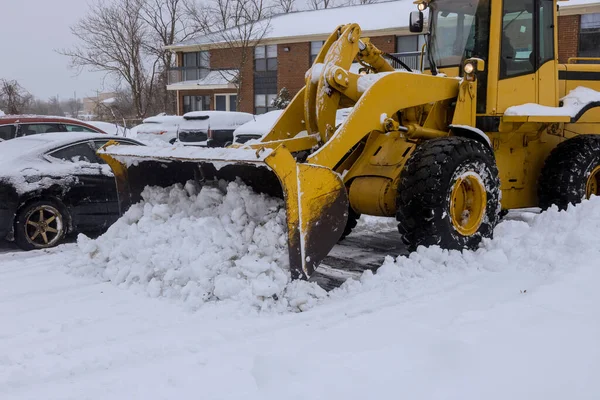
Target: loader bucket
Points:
(315, 197)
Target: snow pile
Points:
(222, 243)
(2, 113)
(573, 104)
(549, 244)
(371, 224)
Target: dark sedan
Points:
(53, 184)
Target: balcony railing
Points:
(182, 74)
(411, 59)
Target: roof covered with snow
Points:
(388, 16)
(575, 7)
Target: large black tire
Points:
(436, 175)
(353, 217)
(40, 225)
(571, 172)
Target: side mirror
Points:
(416, 22)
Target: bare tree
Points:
(285, 6)
(237, 24)
(73, 107)
(320, 4)
(54, 106)
(168, 23)
(113, 39)
(14, 99)
(361, 2)
(39, 107)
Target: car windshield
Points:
(459, 30)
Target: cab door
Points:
(547, 78)
(518, 80)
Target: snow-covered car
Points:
(255, 129)
(52, 184)
(161, 127)
(110, 128)
(262, 124)
(211, 128)
(12, 126)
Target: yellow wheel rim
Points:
(467, 204)
(592, 188)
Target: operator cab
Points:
(515, 38)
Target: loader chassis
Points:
(436, 148)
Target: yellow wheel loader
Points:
(491, 122)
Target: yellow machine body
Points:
(322, 169)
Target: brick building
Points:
(208, 68)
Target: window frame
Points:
(21, 125)
(91, 144)
(227, 101)
(414, 37)
(267, 108)
(14, 133)
(199, 68)
(588, 32)
(86, 129)
(264, 55)
(49, 155)
(204, 102)
(537, 22)
(312, 57)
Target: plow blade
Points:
(315, 197)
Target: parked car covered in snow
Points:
(211, 128)
(262, 124)
(161, 127)
(256, 128)
(53, 184)
(12, 126)
(110, 128)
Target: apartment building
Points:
(212, 75)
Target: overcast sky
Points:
(29, 33)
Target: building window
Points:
(196, 65)
(196, 103)
(263, 103)
(589, 36)
(265, 58)
(407, 43)
(315, 48)
(226, 102)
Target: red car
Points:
(12, 126)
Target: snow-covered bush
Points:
(282, 100)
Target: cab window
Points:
(518, 57)
(546, 36)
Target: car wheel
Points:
(40, 225)
(172, 141)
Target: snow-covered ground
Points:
(519, 318)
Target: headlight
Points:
(469, 68)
